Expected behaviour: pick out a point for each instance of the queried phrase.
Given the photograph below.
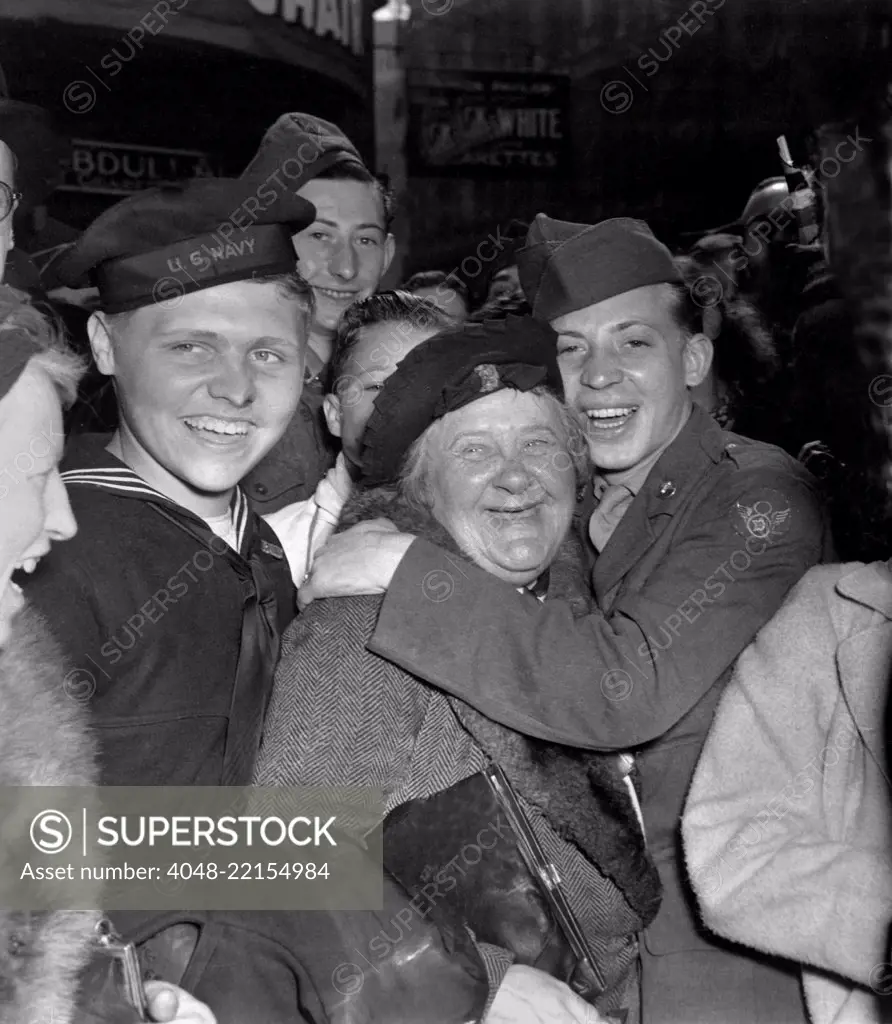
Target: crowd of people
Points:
(575, 553)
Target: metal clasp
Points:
(129, 973)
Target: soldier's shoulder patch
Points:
(763, 515)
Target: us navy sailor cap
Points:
(178, 239)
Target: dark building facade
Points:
(149, 92)
(671, 109)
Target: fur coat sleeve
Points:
(44, 741)
(787, 821)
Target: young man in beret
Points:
(696, 535)
(343, 255)
(170, 601)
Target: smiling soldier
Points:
(343, 255)
(695, 535)
(170, 601)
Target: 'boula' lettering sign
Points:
(340, 19)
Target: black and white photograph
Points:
(446, 511)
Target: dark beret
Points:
(565, 266)
(168, 241)
(445, 373)
(298, 147)
(17, 345)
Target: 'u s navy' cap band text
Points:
(158, 245)
(191, 264)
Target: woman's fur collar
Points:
(44, 741)
(388, 503)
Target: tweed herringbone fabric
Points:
(342, 716)
(581, 793)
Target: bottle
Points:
(802, 194)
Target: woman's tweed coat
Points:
(43, 742)
(341, 715)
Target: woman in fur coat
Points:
(468, 448)
(44, 738)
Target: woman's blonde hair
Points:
(57, 359)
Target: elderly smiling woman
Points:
(470, 447)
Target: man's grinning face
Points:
(346, 251)
(627, 367)
(207, 387)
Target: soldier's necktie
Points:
(614, 501)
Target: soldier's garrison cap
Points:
(566, 266)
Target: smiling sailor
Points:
(171, 598)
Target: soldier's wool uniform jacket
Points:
(721, 530)
(171, 635)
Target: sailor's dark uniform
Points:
(172, 636)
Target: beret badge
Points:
(489, 378)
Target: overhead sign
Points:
(488, 123)
(333, 37)
(340, 20)
(117, 169)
